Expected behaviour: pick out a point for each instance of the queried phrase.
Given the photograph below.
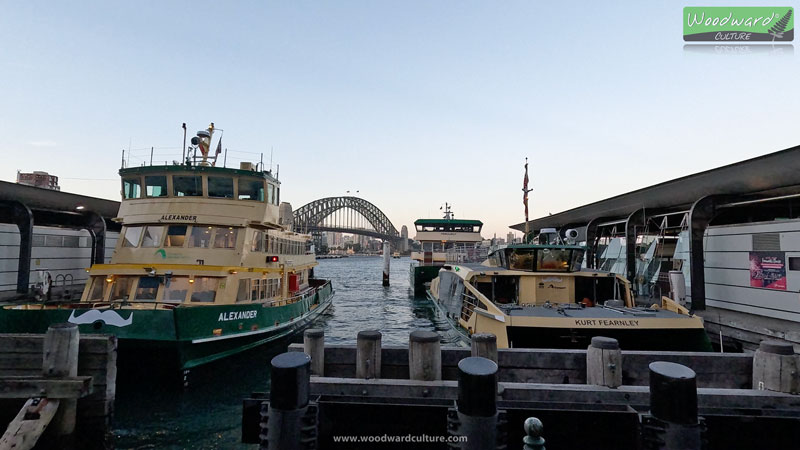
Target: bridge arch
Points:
(311, 218)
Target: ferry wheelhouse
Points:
(206, 265)
(537, 296)
(444, 240)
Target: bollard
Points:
(368, 354)
(424, 356)
(485, 346)
(314, 346)
(288, 402)
(672, 422)
(386, 259)
(60, 359)
(533, 439)
(604, 362)
(477, 403)
(776, 367)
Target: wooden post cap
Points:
(483, 337)
(314, 333)
(776, 347)
(605, 343)
(673, 392)
(423, 336)
(477, 386)
(370, 335)
(291, 376)
(59, 326)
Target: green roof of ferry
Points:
(195, 168)
(447, 221)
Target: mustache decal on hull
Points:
(107, 317)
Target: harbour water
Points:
(153, 413)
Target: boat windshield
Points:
(542, 259)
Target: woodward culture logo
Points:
(738, 23)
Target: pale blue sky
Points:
(412, 103)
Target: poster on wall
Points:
(768, 270)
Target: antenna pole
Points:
(183, 155)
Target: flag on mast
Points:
(525, 190)
(219, 147)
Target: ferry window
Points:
(258, 242)
(225, 238)
(521, 260)
(175, 289)
(53, 241)
(131, 188)
(38, 240)
(277, 196)
(270, 193)
(255, 285)
(205, 289)
(241, 295)
(553, 259)
(427, 246)
(250, 189)
(176, 236)
(187, 186)
(794, 263)
(71, 241)
(147, 288)
(121, 288)
(152, 236)
(220, 187)
(270, 244)
(132, 235)
(272, 288)
(200, 237)
(96, 293)
(155, 185)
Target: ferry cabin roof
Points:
(458, 225)
(199, 194)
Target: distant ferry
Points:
(206, 266)
(442, 240)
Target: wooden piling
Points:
(60, 359)
(776, 367)
(424, 356)
(604, 362)
(368, 354)
(386, 260)
(485, 346)
(314, 346)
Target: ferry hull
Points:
(666, 339)
(193, 335)
(419, 275)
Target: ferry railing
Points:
(460, 255)
(468, 304)
(145, 304)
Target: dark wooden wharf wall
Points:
(714, 370)
(21, 354)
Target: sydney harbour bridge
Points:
(345, 215)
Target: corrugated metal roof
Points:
(772, 171)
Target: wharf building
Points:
(729, 238)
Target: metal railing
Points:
(460, 255)
(145, 304)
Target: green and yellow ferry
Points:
(206, 266)
(538, 296)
